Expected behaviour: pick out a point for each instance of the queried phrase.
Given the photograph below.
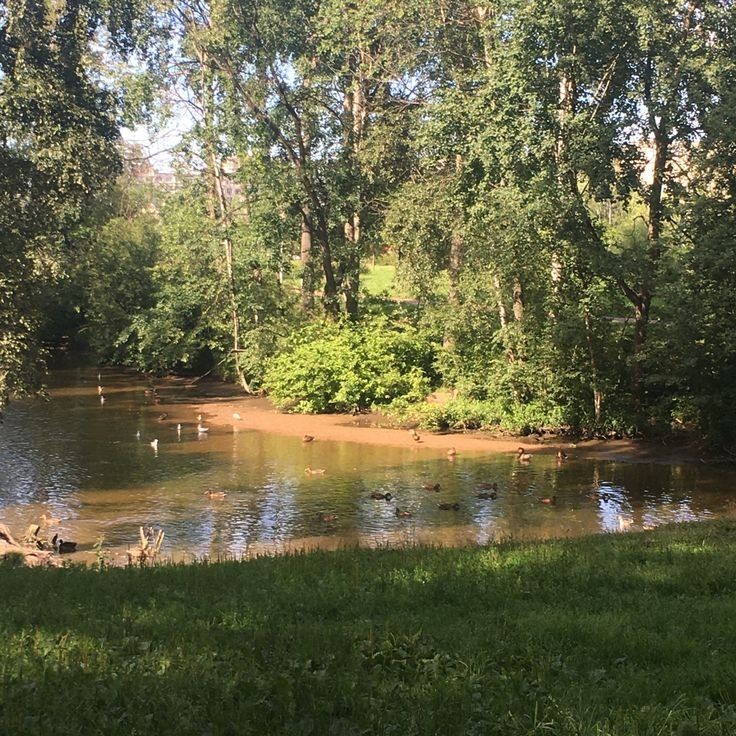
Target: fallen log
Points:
(32, 556)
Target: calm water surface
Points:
(91, 465)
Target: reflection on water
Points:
(90, 463)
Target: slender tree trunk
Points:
(219, 211)
(518, 300)
(305, 255)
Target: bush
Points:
(350, 367)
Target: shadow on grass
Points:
(621, 635)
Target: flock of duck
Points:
(484, 490)
(487, 491)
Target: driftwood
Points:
(148, 548)
(31, 552)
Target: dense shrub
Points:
(349, 367)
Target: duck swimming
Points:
(216, 495)
(431, 486)
(309, 470)
(523, 456)
(448, 506)
(378, 496)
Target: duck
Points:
(485, 486)
(309, 470)
(402, 513)
(308, 438)
(487, 495)
(50, 520)
(163, 416)
(202, 429)
(378, 496)
(325, 518)
(62, 546)
(236, 416)
(550, 501)
(154, 444)
(523, 456)
(99, 390)
(102, 399)
(451, 453)
(561, 456)
(138, 434)
(415, 435)
(215, 495)
(431, 487)
(448, 506)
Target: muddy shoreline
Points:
(257, 413)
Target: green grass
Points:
(379, 279)
(627, 634)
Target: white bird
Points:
(138, 434)
(99, 390)
(202, 430)
(102, 399)
(154, 444)
(237, 416)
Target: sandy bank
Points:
(259, 414)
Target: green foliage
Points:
(349, 367)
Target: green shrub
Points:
(349, 367)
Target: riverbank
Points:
(259, 414)
(613, 635)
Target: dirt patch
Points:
(258, 413)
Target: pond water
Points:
(91, 465)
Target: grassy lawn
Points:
(379, 279)
(625, 634)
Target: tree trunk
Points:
(305, 255)
(219, 210)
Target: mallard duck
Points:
(325, 518)
(63, 546)
(309, 470)
(551, 501)
(523, 456)
(216, 495)
(484, 486)
(431, 486)
(402, 513)
(378, 496)
(308, 438)
(448, 506)
(487, 495)
(451, 453)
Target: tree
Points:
(57, 152)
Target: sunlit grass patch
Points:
(610, 635)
